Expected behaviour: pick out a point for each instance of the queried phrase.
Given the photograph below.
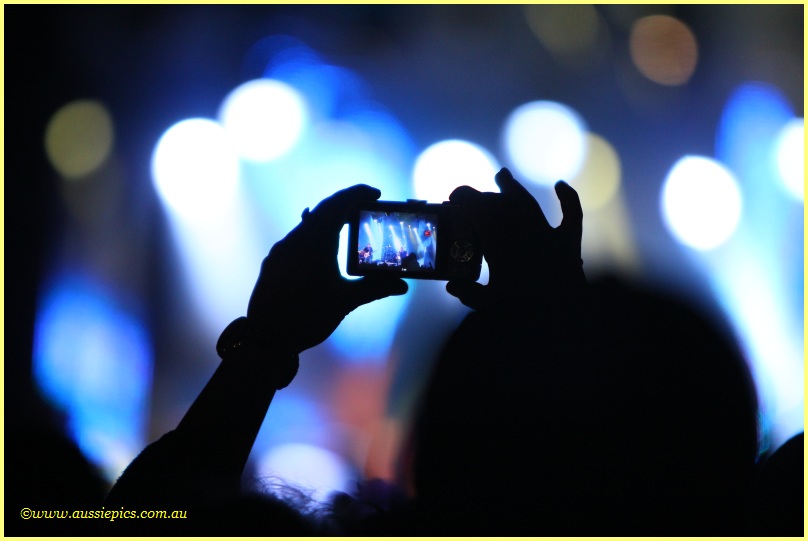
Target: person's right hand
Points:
(300, 296)
(532, 266)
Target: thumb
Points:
(573, 216)
(471, 294)
(372, 288)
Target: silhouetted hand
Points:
(531, 264)
(301, 297)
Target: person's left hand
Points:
(301, 297)
(547, 274)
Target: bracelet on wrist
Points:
(240, 340)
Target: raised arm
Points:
(205, 455)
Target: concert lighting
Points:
(309, 467)
(750, 128)
(790, 157)
(330, 156)
(79, 138)
(264, 118)
(760, 277)
(663, 49)
(608, 239)
(771, 337)
(701, 203)
(195, 169)
(196, 172)
(598, 180)
(92, 360)
(295, 416)
(292, 128)
(445, 165)
(545, 141)
(394, 236)
(352, 339)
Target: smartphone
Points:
(412, 239)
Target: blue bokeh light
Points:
(347, 139)
(790, 157)
(293, 417)
(316, 470)
(331, 91)
(751, 122)
(334, 156)
(758, 274)
(93, 361)
(366, 334)
(197, 174)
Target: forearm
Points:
(206, 454)
(225, 418)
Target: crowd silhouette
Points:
(557, 407)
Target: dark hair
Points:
(632, 415)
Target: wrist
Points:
(242, 342)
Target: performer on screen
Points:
(429, 249)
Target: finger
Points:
(472, 294)
(464, 194)
(480, 209)
(319, 229)
(372, 288)
(332, 211)
(573, 215)
(524, 202)
(507, 184)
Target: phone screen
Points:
(404, 242)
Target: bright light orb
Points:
(79, 138)
(598, 181)
(790, 156)
(445, 165)
(701, 202)
(195, 169)
(264, 117)
(546, 142)
(664, 49)
(93, 362)
(308, 467)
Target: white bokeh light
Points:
(701, 202)
(195, 169)
(790, 156)
(445, 165)
(546, 142)
(308, 467)
(264, 117)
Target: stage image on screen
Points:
(397, 241)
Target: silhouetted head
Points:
(46, 471)
(629, 415)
